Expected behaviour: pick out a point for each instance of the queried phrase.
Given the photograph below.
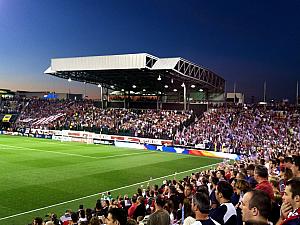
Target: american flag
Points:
(46, 120)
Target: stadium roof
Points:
(136, 72)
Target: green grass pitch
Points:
(38, 176)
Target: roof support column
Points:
(188, 99)
(184, 97)
(101, 94)
(157, 102)
(124, 95)
(107, 100)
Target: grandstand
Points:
(142, 74)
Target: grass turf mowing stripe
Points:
(116, 189)
(71, 154)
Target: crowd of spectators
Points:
(239, 129)
(83, 115)
(244, 130)
(11, 105)
(251, 191)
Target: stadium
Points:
(160, 136)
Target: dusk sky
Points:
(246, 42)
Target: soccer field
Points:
(38, 176)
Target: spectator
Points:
(251, 179)
(212, 196)
(104, 207)
(225, 213)
(132, 207)
(38, 221)
(290, 209)
(221, 175)
(74, 219)
(261, 176)
(140, 208)
(66, 217)
(201, 206)
(288, 162)
(94, 221)
(296, 166)
(256, 207)
(116, 217)
(188, 191)
(242, 187)
(160, 216)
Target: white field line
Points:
(81, 145)
(116, 189)
(71, 154)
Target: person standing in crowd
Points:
(290, 209)
(201, 207)
(251, 179)
(261, 176)
(296, 166)
(288, 162)
(226, 212)
(221, 175)
(37, 221)
(132, 207)
(188, 191)
(116, 216)
(256, 207)
(140, 209)
(160, 216)
(213, 200)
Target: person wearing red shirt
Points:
(132, 207)
(261, 176)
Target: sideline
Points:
(116, 189)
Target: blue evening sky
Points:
(245, 42)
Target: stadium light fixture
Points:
(99, 85)
(69, 80)
(159, 93)
(159, 78)
(172, 81)
(175, 89)
(182, 85)
(201, 90)
(122, 89)
(133, 86)
(166, 86)
(144, 89)
(193, 86)
(112, 86)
